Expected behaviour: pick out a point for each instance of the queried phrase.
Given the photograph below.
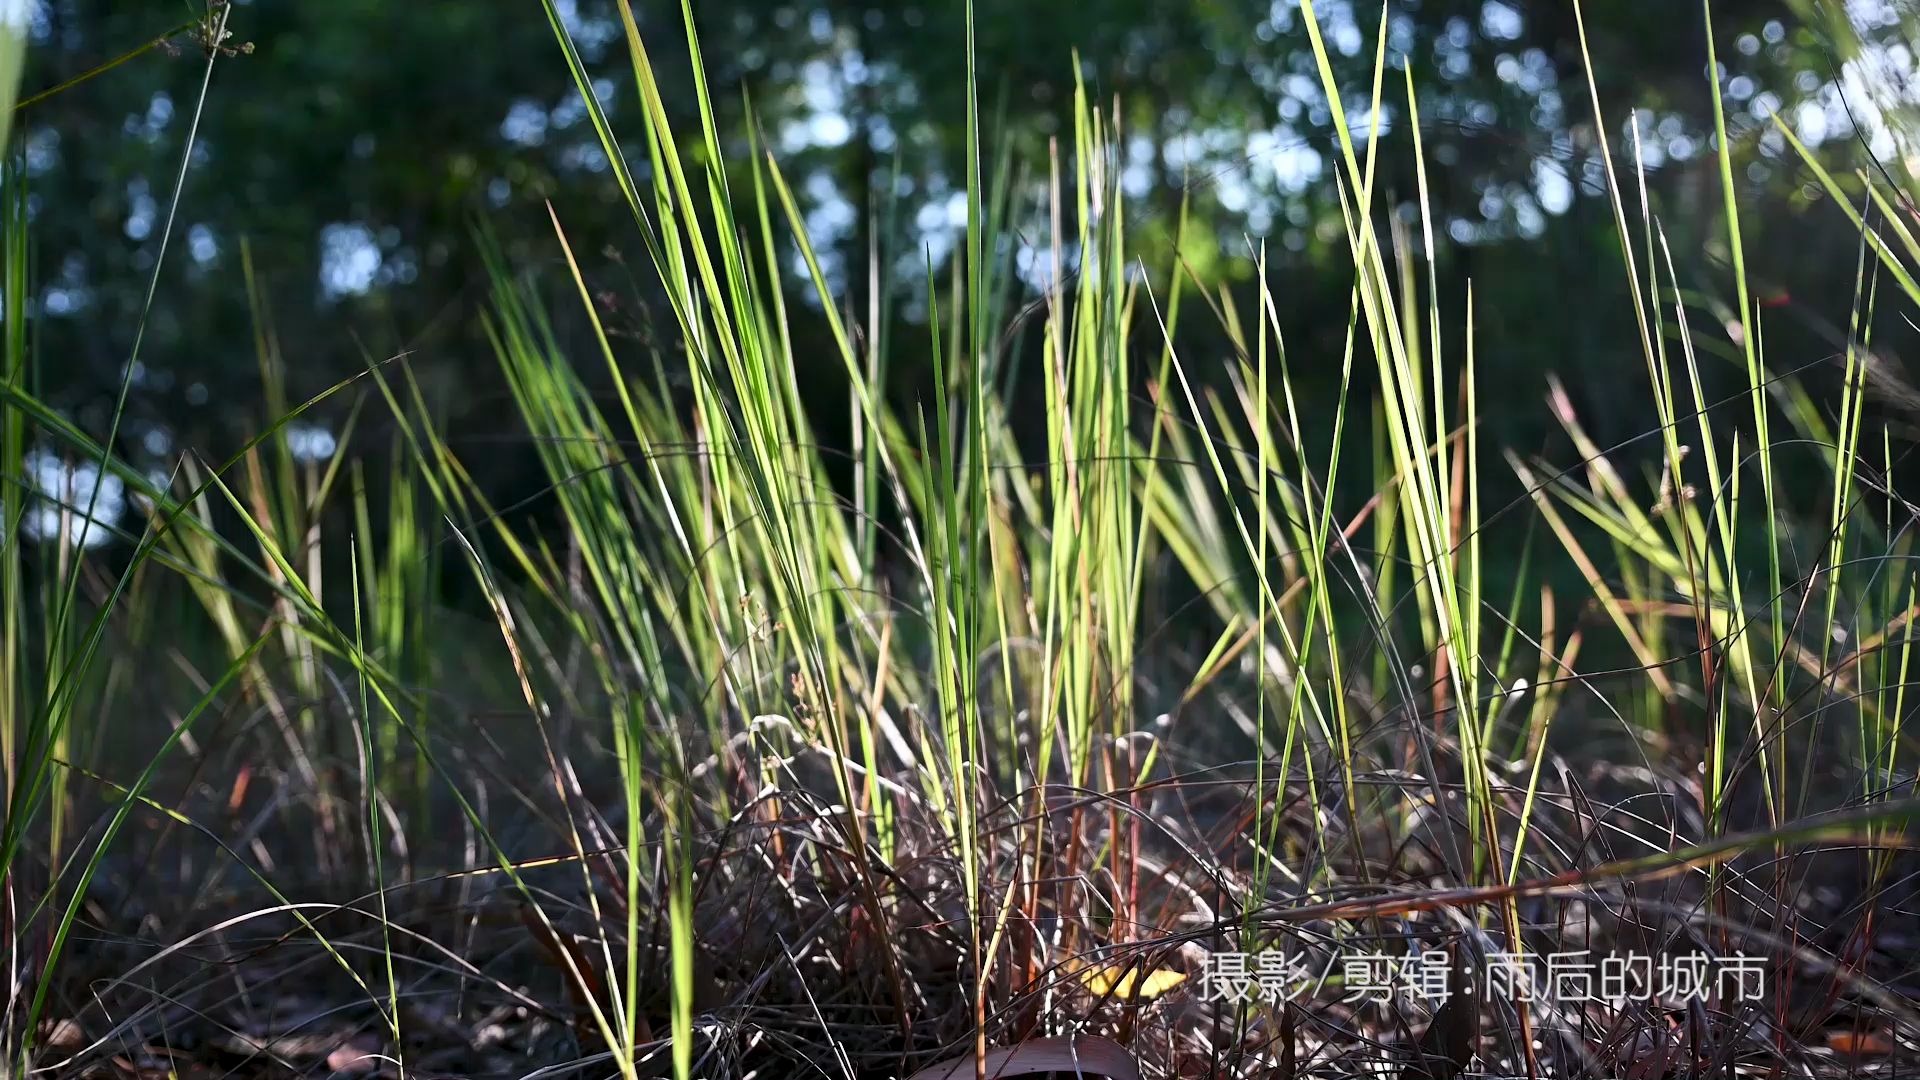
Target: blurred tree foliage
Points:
(353, 149)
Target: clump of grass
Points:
(746, 773)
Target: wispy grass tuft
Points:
(733, 766)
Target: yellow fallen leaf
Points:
(1133, 983)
